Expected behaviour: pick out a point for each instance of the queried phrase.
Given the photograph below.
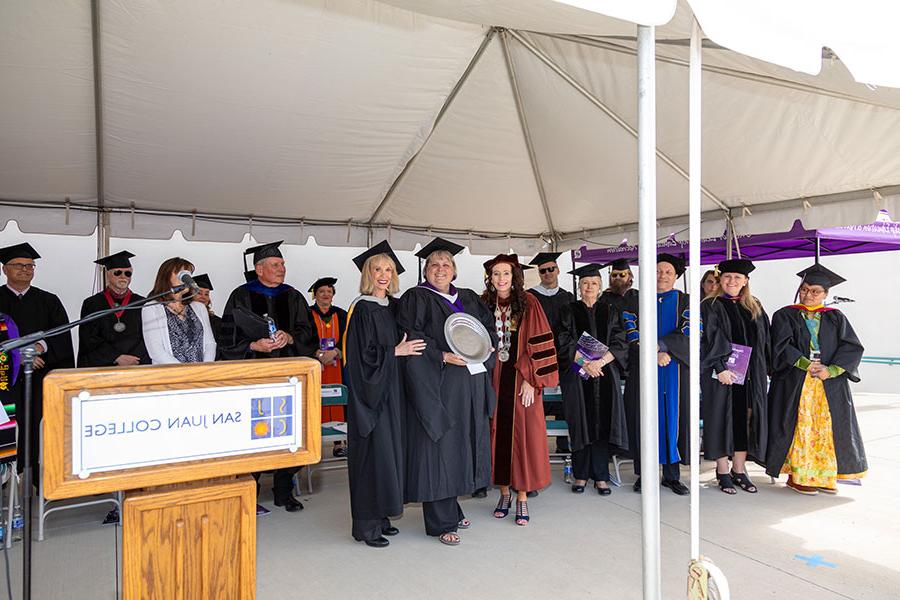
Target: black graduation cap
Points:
(439, 244)
(736, 265)
(329, 281)
(819, 275)
(259, 253)
(620, 264)
(23, 250)
(525, 267)
(203, 281)
(676, 262)
(544, 257)
(381, 247)
(119, 260)
(588, 270)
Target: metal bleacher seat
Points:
(332, 395)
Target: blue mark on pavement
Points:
(815, 561)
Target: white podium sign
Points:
(122, 431)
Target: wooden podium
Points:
(189, 518)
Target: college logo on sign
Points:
(271, 417)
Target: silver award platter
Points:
(467, 337)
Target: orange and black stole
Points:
(328, 326)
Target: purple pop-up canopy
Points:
(880, 236)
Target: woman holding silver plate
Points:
(449, 399)
(526, 363)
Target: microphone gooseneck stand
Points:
(27, 344)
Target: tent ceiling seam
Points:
(725, 71)
(526, 132)
(581, 89)
(489, 36)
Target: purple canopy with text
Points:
(880, 236)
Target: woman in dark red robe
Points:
(526, 363)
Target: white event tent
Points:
(508, 124)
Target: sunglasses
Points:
(120, 272)
(546, 270)
(623, 274)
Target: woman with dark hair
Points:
(526, 363)
(709, 284)
(177, 330)
(735, 420)
(814, 436)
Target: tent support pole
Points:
(102, 215)
(646, 145)
(694, 210)
(549, 62)
(526, 133)
(449, 101)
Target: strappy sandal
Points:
(743, 482)
(451, 538)
(726, 483)
(464, 523)
(503, 506)
(522, 517)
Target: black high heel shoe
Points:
(503, 506)
(522, 517)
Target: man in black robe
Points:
(552, 299)
(268, 296)
(33, 309)
(620, 292)
(673, 360)
(116, 339)
(447, 426)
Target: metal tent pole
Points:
(694, 193)
(646, 139)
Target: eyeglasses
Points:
(623, 274)
(119, 273)
(546, 270)
(21, 266)
(812, 292)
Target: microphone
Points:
(188, 281)
(842, 299)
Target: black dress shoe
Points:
(676, 486)
(637, 485)
(577, 489)
(480, 493)
(531, 494)
(603, 491)
(289, 503)
(389, 530)
(379, 542)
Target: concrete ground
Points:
(575, 546)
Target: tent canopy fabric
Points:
(881, 236)
(356, 120)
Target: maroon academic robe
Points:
(519, 454)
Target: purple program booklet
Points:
(738, 363)
(588, 348)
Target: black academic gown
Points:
(372, 375)
(553, 304)
(39, 310)
(285, 305)
(594, 407)
(619, 303)
(99, 345)
(722, 326)
(447, 424)
(678, 347)
(839, 346)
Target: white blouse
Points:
(156, 333)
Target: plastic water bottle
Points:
(18, 523)
(567, 470)
(273, 329)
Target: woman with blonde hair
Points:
(372, 346)
(177, 330)
(735, 358)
